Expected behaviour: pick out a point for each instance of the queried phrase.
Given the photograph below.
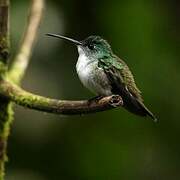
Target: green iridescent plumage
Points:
(122, 71)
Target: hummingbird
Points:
(105, 74)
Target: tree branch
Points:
(19, 96)
(4, 32)
(22, 58)
(5, 105)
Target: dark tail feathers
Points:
(135, 106)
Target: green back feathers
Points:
(129, 81)
(121, 71)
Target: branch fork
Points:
(9, 88)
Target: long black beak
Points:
(66, 38)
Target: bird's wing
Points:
(129, 81)
(120, 76)
(122, 83)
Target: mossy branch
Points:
(4, 32)
(5, 104)
(19, 96)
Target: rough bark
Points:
(5, 104)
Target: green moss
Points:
(6, 117)
(3, 69)
(28, 100)
(4, 49)
(6, 113)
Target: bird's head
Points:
(92, 46)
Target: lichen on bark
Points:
(6, 117)
(6, 112)
(4, 49)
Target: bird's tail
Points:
(135, 106)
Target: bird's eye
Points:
(91, 46)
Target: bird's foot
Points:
(116, 101)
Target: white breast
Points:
(84, 69)
(82, 63)
(91, 76)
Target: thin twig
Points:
(32, 101)
(22, 58)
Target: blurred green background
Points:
(109, 145)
